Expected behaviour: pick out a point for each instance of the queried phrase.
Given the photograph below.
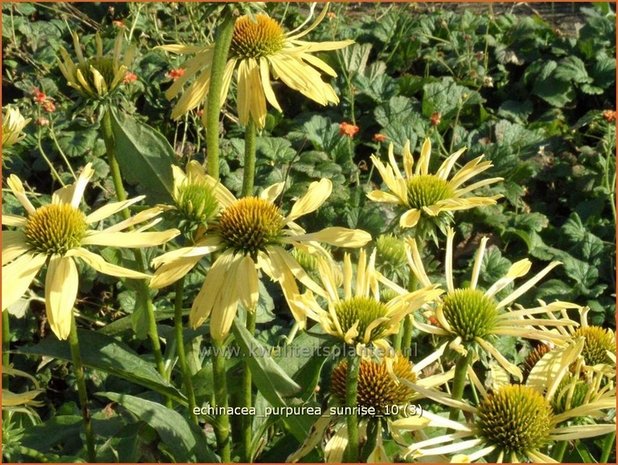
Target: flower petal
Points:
(98, 263)
(214, 285)
(315, 196)
(129, 239)
(380, 196)
(18, 190)
(13, 220)
(201, 248)
(80, 185)
(410, 218)
(226, 304)
(271, 193)
(13, 245)
(171, 272)
(111, 208)
(61, 285)
(341, 237)
(22, 271)
(266, 86)
(247, 283)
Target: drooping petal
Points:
(410, 218)
(61, 285)
(203, 247)
(247, 283)
(21, 271)
(316, 195)
(341, 237)
(13, 220)
(224, 312)
(266, 86)
(170, 272)
(98, 263)
(13, 246)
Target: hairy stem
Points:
(459, 381)
(81, 388)
(180, 348)
(222, 424)
(351, 392)
(213, 105)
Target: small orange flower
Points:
(129, 77)
(174, 74)
(49, 106)
(347, 129)
(609, 116)
(378, 137)
(330, 15)
(43, 100)
(118, 23)
(435, 119)
(39, 97)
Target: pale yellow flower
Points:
(426, 196)
(55, 235)
(357, 315)
(515, 422)
(251, 233)
(97, 76)
(260, 50)
(13, 124)
(469, 318)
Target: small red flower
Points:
(129, 77)
(39, 97)
(378, 137)
(609, 116)
(174, 74)
(435, 118)
(347, 129)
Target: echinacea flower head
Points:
(376, 387)
(470, 318)
(252, 234)
(56, 235)
(98, 76)
(13, 124)
(517, 422)
(357, 315)
(260, 51)
(430, 198)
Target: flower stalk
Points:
(459, 381)
(213, 106)
(143, 292)
(6, 341)
(81, 389)
(180, 347)
(222, 423)
(351, 393)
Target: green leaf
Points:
(185, 441)
(446, 96)
(572, 69)
(355, 58)
(270, 378)
(145, 157)
(107, 354)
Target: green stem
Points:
(247, 399)
(222, 45)
(39, 456)
(222, 423)
(608, 445)
(180, 348)
(249, 169)
(374, 428)
(406, 342)
(351, 392)
(81, 388)
(459, 381)
(6, 346)
(559, 449)
(143, 292)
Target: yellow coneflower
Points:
(430, 198)
(358, 316)
(260, 49)
(13, 124)
(96, 77)
(251, 233)
(516, 422)
(55, 235)
(470, 318)
(391, 388)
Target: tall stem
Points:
(6, 346)
(248, 175)
(351, 392)
(143, 292)
(559, 449)
(180, 348)
(222, 424)
(224, 35)
(81, 389)
(459, 381)
(247, 397)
